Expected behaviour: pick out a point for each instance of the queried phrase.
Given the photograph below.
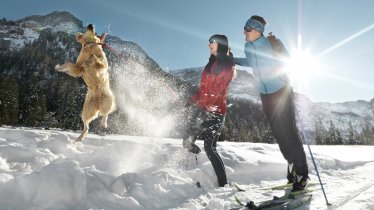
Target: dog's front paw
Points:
(58, 67)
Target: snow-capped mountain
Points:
(54, 19)
(58, 21)
(27, 30)
(358, 113)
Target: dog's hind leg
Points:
(84, 132)
(89, 113)
(104, 121)
(106, 108)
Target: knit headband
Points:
(252, 23)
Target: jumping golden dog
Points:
(92, 66)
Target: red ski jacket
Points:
(213, 88)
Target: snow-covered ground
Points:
(45, 169)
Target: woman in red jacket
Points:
(211, 103)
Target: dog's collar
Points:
(87, 43)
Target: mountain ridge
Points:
(53, 19)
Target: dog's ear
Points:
(90, 27)
(79, 37)
(102, 37)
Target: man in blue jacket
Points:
(276, 97)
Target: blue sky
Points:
(175, 33)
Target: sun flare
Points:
(302, 67)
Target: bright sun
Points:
(302, 67)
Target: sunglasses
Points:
(212, 41)
(247, 29)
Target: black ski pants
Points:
(279, 109)
(209, 130)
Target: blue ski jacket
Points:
(267, 67)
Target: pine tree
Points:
(320, 132)
(331, 138)
(9, 96)
(367, 134)
(352, 135)
(69, 103)
(33, 103)
(247, 122)
(339, 138)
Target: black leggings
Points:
(279, 110)
(210, 130)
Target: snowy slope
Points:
(45, 169)
(18, 40)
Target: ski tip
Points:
(198, 184)
(237, 187)
(238, 201)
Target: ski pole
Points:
(319, 178)
(311, 155)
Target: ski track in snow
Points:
(357, 179)
(46, 169)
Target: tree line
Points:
(334, 136)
